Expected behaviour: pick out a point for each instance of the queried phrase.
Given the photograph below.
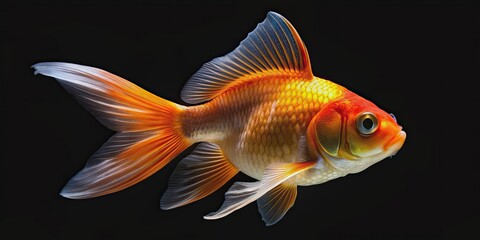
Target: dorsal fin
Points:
(274, 47)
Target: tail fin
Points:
(149, 131)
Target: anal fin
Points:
(243, 193)
(199, 174)
(276, 202)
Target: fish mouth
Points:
(394, 144)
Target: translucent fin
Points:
(124, 160)
(243, 193)
(276, 202)
(117, 103)
(198, 175)
(149, 129)
(274, 48)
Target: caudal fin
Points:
(148, 129)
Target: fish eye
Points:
(367, 123)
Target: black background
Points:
(415, 59)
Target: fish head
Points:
(353, 133)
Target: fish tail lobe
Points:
(149, 132)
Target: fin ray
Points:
(199, 174)
(273, 47)
(243, 193)
(117, 103)
(275, 203)
(125, 159)
(149, 134)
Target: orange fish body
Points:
(259, 110)
(262, 122)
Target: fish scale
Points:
(260, 122)
(260, 111)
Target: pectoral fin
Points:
(243, 193)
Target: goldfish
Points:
(258, 110)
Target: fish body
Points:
(261, 123)
(258, 110)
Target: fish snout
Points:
(394, 144)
